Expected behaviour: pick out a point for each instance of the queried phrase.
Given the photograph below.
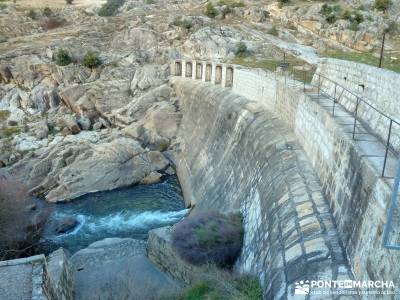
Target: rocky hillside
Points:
(85, 101)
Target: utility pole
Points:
(382, 48)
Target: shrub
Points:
(354, 17)
(281, 3)
(4, 114)
(69, 2)
(273, 31)
(18, 234)
(31, 14)
(237, 4)
(209, 237)
(47, 12)
(227, 286)
(210, 10)
(91, 60)
(53, 23)
(241, 49)
(184, 23)
(382, 5)
(62, 57)
(331, 18)
(110, 8)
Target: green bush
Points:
(331, 18)
(110, 8)
(69, 2)
(210, 10)
(227, 287)
(241, 49)
(62, 57)
(354, 17)
(382, 5)
(273, 31)
(91, 60)
(31, 14)
(47, 12)
(184, 23)
(209, 237)
(330, 12)
(4, 114)
(281, 3)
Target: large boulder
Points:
(149, 76)
(90, 161)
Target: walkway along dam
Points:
(312, 176)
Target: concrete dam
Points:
(313, 182)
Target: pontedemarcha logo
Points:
(302, 287)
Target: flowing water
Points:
(126, 212)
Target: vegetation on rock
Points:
(382, 5)
(91, 60)
(62, 57)
(182, 22)
(211, 11)
(241, 49)
(110, 8)
(47, 11)
(31, 14)
(209, 237)
(330, 12)
(229, 287)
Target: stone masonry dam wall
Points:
(358, 196)
(235, 155)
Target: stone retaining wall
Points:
(33, 278)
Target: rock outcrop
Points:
(74, 165)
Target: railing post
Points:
(319, 85)
(355, 117)
(387, 147)
(334, 101)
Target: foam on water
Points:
(129, 212)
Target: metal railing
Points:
(393, 206)
(338, 92)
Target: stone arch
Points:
(229, 77)
(208, 72)
(199, 70)
(218, 75)
(189, 69)
(178, 68)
